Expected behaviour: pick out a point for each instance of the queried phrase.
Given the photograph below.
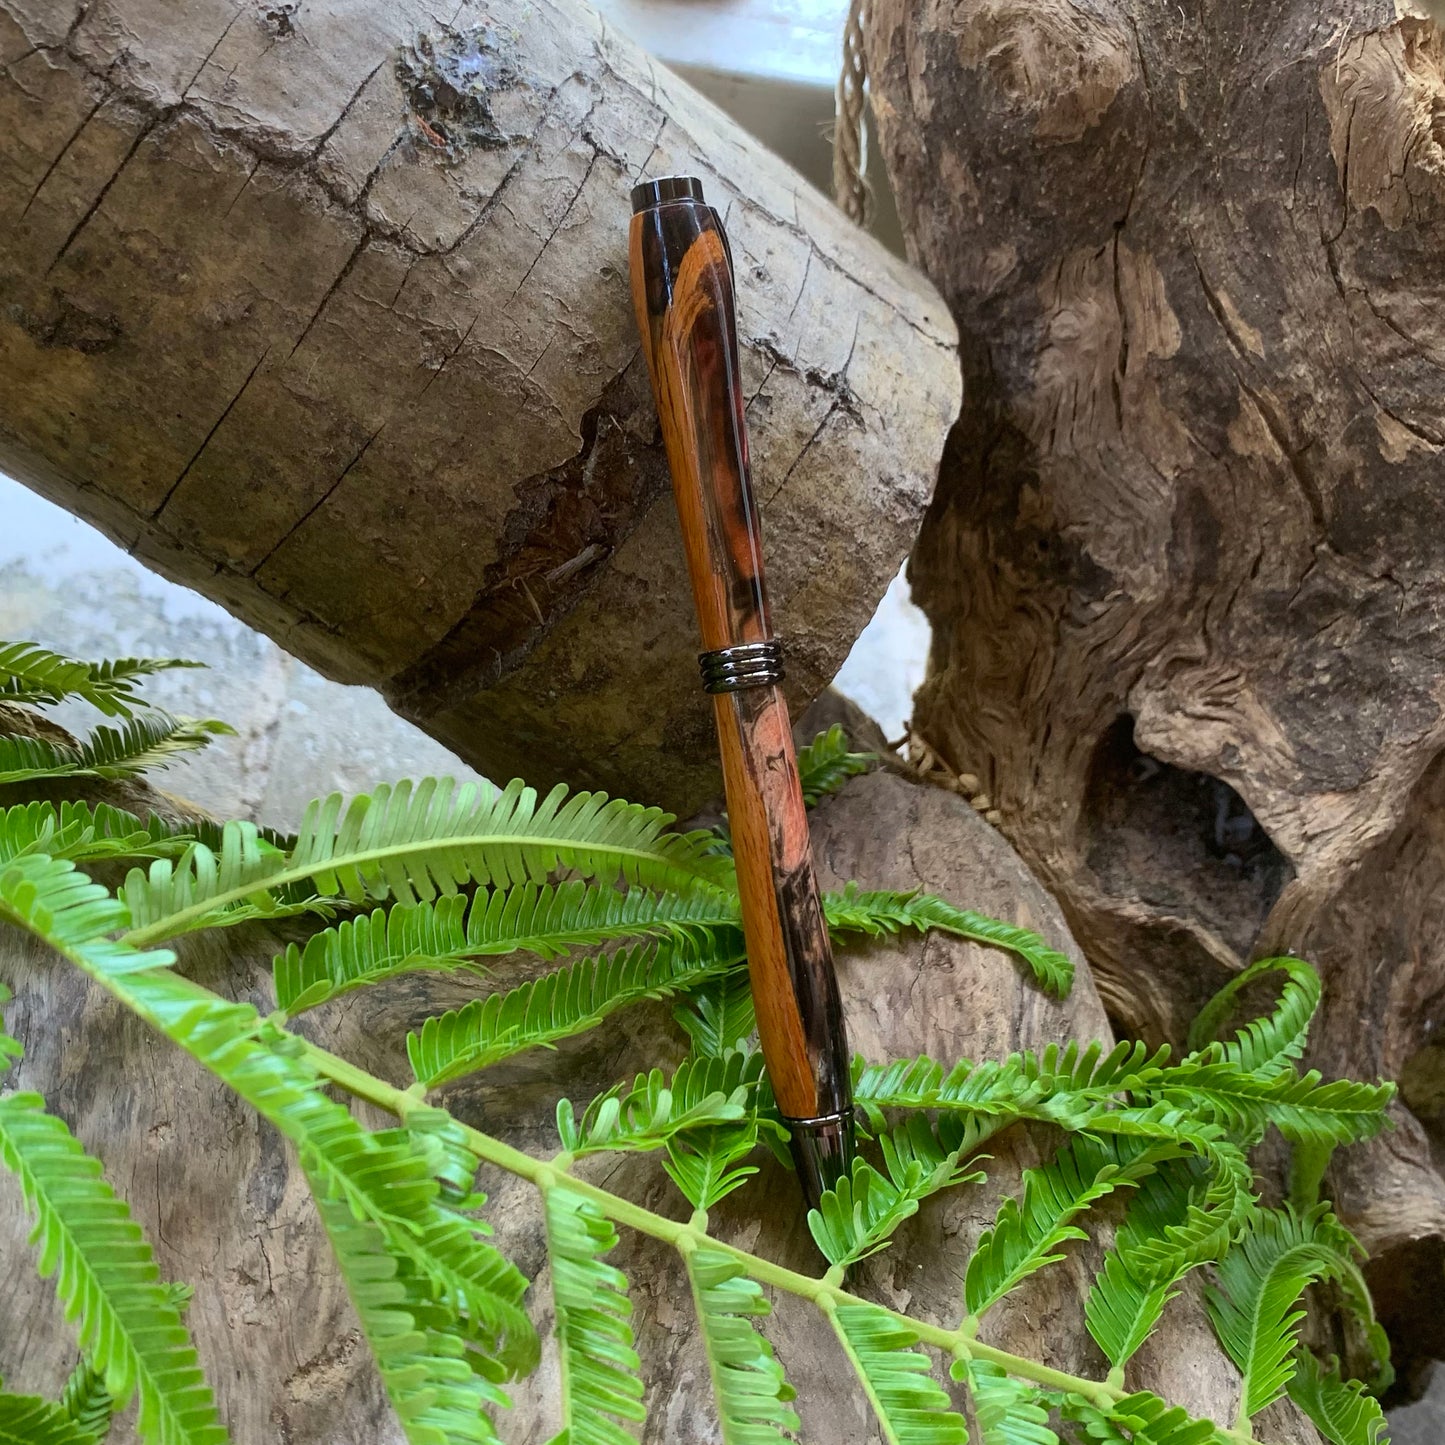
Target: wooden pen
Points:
(682, 289)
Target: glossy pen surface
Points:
(682, 285)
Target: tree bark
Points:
(1186, 562)
(224, 1203)
(323, 311)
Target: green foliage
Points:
(858, 1217)
(107, 1279)
(1128, 1297)
(825, 764)
(1009, 1411)
(1255, 1308)
(87, 1402)
(1029, 1231)
(447, 877)
(600, 1382)
(911, 1406)
(1343, 1412)
(566, 1001)
(748, 1382)
(878, 913)
(152, 741)
(31, 674)
(27, 1420)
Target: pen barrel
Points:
(682, 287)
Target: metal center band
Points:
(749, 664)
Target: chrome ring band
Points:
(750, 664)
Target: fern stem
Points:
(822, 1292)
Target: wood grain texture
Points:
(347, 347)
(683, 296)
(1186, 563)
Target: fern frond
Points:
(1066, 1085)
(154, 740)
(449, 932)
(879, 913)
(719, 1016)
(386, 1176)
(87, 1402)
(1029, 1231)
(1216, 1212)
(415, 841)
(1126, 1301)
(32, 674)
(1342, 1411)
(1142, 1419)
(1278, 1038)
(858, 1216)
(567, 1001)
(600, 1382)
(825, 764)
(83, 833)
(1254, 1308)
(1301, 1106)
(748, 1383)
(433, 1381)
(1008, 1411)
(702, 1093)
(911, 1406)
(106, 1278)
(29, 1420)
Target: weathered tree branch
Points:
(324, 312)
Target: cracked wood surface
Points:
(323, 311)
(1186, 562)
(224, 1202)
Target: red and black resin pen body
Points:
(682, 289)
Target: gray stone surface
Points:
(1422, 1423)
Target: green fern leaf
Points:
(1255, 1308)
(1008, 1411)
(31, 674)
(1302, 1107)
(705, 1164)
(748, 1383)
(408, 842)
(1068, 1085)
(28, 1420)
(1342, 1411)
(152, 741)
(1215, 1214)
(84, 833)
(701, 1094)
(450, 932)
(825, 764)
(1126, 1301)
(1141, 1419)
(106, 1278)
(719, 1016)
(386, 1177)
(1029, 1232)
(439, 1389)
(859, 1215)
(567, 1001)
(87, 1402)
(1277, 1039)
(600, 1382)
(911, 1406)
(880, 913)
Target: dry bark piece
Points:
(224, 1203)
(324, 312)
(1186, 562)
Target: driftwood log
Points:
(323, 311)
(1186, 562)
(226, 1208)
